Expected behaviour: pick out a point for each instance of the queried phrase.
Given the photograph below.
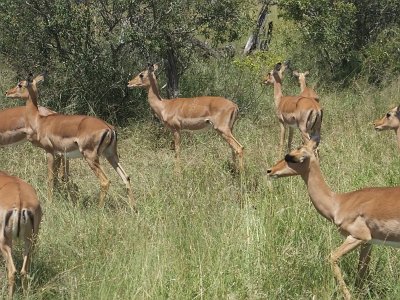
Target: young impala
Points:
(390, 121)
(364, 217)
(191, 113)
(305, 91)
(294, 111)
(72, 136)
(13, 131)
(20, 216)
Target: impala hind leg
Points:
(94, 164)
(114, 162)
(5, 248)
(237, 148)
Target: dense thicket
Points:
(90, 47)
(350, 37)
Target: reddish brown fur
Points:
(57, 133)
(294, 111)
(191, 113)
(391, 121)
(17, 197)
(363, 216)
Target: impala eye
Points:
(141, 75)
(388, 115)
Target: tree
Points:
(89, 47)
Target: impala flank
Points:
(364, 217)
(20, 216)
(191, 113)
(72, 136)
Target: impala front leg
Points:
(349, 244)
(363, 262)
(50, 175)
(290, 138)
(282, 138)
(177, 143)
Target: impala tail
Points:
(20, 221)
(108, 141)
(314, 121)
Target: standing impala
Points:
(13, 131)
(365, 217)
(191, 113)
(294, 111)
(71, 135)
(390, 121)
(305, 91)
(20, 216)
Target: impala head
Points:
(296, 162)
(276, 74)
(390, 121)
(142, 79)
(20, 91)
(300, 76)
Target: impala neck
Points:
(277, 90)
(32, 111)
(153, 95)
(321, 195)
(302, 82)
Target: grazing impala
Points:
(305, 91)
(13, 131)
(71, 135)
(20, 216)
(365, 217)
(294, 111)
(390, 121)
(191, 113)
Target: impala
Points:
(364, 217)
(191, 113)
(12, 131)
(20, 216)
(72, 136)
(390, 121)
(305, 91)
(294, 111)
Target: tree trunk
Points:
(254, 37)
(171, 69)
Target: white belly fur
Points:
(72, 154)
(385, 243)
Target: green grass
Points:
(205, 233)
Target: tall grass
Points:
(205, 233)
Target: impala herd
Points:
(364, 217)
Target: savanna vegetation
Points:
(205, 232)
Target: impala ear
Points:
(295, 73)
(314, 142)
(306, 73)
(398, 111)
(155, 67)
(39, 78)
(278, 67)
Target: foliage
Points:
(339, 31)
(89, 47)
